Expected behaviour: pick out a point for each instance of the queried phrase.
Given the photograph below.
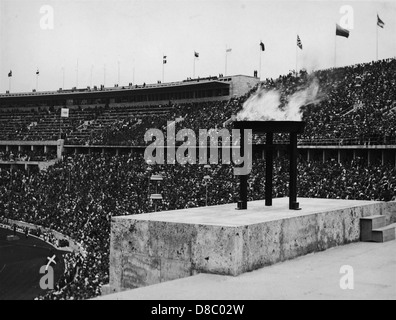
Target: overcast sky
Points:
(135, 34)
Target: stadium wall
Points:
(32, 145)
(372, 154)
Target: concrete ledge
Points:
(157, 247)
(30, 142)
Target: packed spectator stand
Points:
(79, 195)
(356, 105)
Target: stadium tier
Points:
(197, 89)
(354, 105)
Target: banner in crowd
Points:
(65, 113)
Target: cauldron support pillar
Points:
(293, 128)
(242, 204)
(293, 204)
(269, 168)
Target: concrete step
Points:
(368, 224)
(384, 234)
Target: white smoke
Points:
(265, 105)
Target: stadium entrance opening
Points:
(269, 128)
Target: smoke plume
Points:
(265, 105)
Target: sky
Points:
(94, 42)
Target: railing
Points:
(46, 234)
(367, 141)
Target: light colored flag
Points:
(65, 113)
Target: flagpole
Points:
(63, 78)
(9, 84)
(194, 67)
(37, 81)
(133, 72)
(296, 58)
(260, 65)
(225, 70)
(118, 72)
(163, 67)
(335, 52)
(91, 75)
(77, 75)
(377, 36)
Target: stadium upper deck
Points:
(196, 89)
(354, 108)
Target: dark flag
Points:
(262, 47)
(10, 73)
(342, 32)
(164, 60)
(380, 23)
(196, 54)
(299, 43)
(37, 72)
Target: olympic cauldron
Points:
(269, 128)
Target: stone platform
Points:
(152, 248)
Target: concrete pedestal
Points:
(152, 248)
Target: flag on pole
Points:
(299, 43)
(229, 50)
(380, 23)
(65, 113)
(10, 74)
(37, 72)
(341, 31)
(196, 54)
(164, 60)
(262, 47)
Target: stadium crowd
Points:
(358, 106)
(355, 105)
(78, 197)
